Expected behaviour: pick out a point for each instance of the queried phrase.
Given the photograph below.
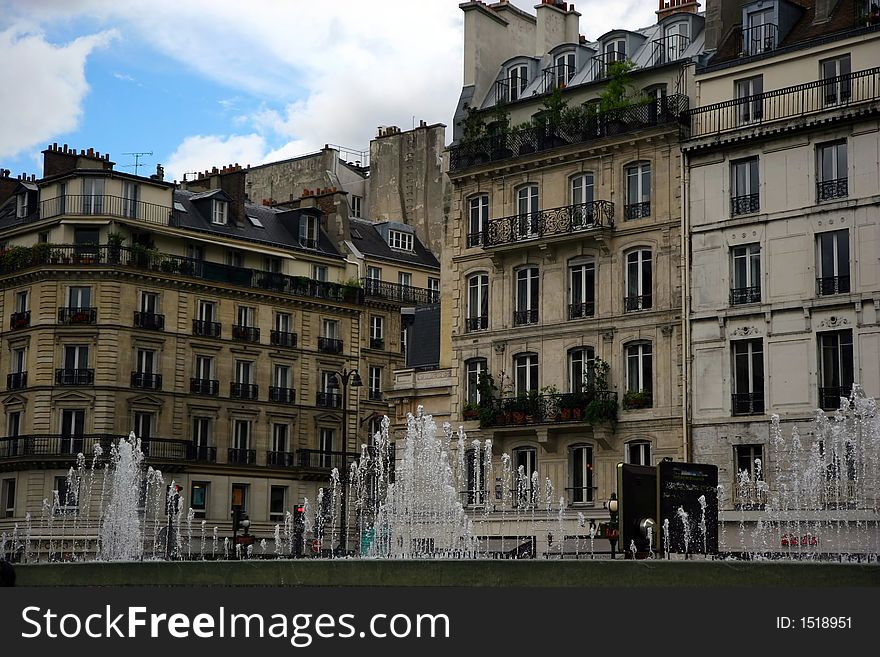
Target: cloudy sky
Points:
(207, 82)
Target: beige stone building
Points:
(783, 225)
(565, 250)
(209, 325)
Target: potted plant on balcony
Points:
(114, 244)
(498, 132)
(637, 399)
(138, 255)
(471, 411)
(602, 404)
(571, 406)
(472, 138)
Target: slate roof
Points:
(367, 240)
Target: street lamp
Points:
(612, 525)
(345, 377)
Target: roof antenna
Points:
(137, 160)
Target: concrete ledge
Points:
(539, 573)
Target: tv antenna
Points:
(137, 160)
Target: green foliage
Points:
(472, 125)
(620, 92)
(500, 118)
(601, 409)
(555, 107)
(15, 257)
(115, 238)
(637, 399)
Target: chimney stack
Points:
(669, 7)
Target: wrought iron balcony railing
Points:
(668, 49)
(329, 345)
(830, 397)
(476, 323)
(759, 39)
(600, 65)
(282, 339)
(565, 220)
(475, 239)
(107, 206)
(241, 456)
(20, 320)
(396, 292)
(747, 403)
(746, 204)
(244, 390)
(280, 459)
(795, 102)
(206, 329)
(16, 380)
(151, 321)
(319, 459)
(204, 387)
(744, 295)
(581, 309)
(77, 315)
(146, 380)
(589, 127)
(522, 317)
(328, 400)
(75, 377)
(828, 285)
(375, 395)
(827, 190)
(201, 453)
(245, 333)
(633, 211)
(67, 446)
(545, 409)
(636, 303)
(282, 395)
(750, 496)
(556, 76)
(377, 343)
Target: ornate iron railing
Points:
(565, 220)
(282, 339)
(668, 49)
(16, 380)
(395, 292)
(206, 329)
(743, 295)
(20, 320)
(760, 38)
(600, 64)
(75, 377)
(581, 310)
(151, 321)
(146, 380)
(522, 317)
(636, 303)
(480, 323)
(280, 459)
(245, 333)
(244, 390)
(637, 210)
(827, 190)
(107, 206)
(828, 285)
(329, 345)
(745, 204)
(829, 397)
(282, 395)
(543, 409)
(747, 403)
(328, 399)
(315, 458)
(241, 456)
(204, 387)
(77, 315)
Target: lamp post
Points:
(612, 525)
(345, 377)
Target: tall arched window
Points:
(477, 302)
(478, 217)
(581, 361)
(639, 280)
(581, 288)
(581, 197)
(528, 208)
(525, 373)
(527, 298)
(565, 68)
(639, 375)
(638, 190)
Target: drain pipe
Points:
(686, 305)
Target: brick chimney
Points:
(333, 204)
(59, 160)
(231, 179)
(669, 7)
(7, 184)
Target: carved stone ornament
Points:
(834, 321)
(744, 331)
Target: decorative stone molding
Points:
(745, 331)
(608, 336)
(667, 330)
(834, 322)
(499, 347)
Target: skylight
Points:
(255, 222)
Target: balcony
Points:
(149, 321)
(308, 243)
(280, 459)
(601, 65)
(828, 190)
(282, 339)
(472, 324)
(634, 211)
(474, 239)
(328, 400)
(562, 221)
(245, 333)
(107, 206)
(581, 310)
(831, 397)
(16, 380)
(42, 446)
(318, 459)
(74, 315)
(850, 94)
(746, 204)
(146, 380)
(241, 456)
(524, 317)
(377, 343)
(19, 320)
(588, 127)
(206, 329)
(749, 496)
(74, 377)
(204, 387)
(637, 303)
(668, 49)
(743, 295)
(329, 345)
(282, 395)
(830, 285)
(166, 449)
(747, 403)
(554, 408)
(244, 390)
(375, 395)
(417, 296)
(556, 76)
(201, 453)
(759, 39)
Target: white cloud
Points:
(124, 77)
(45, 86)
(202, 152)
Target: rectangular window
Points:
(528, 209)
(79, 297)
(638, 452)
(749, 101)
(434, 288)
(404, 278)
(67, 496)
(21, 301)
(477, 302)
(831, 171)
(218, 212)
(526, 367)
(272, 264)
(93, 195)
(581, 474)
(748, 377)
(639, 376)
(837, 87)
(21, 206)
(281, 376)
(195, 252)
(241, 434)
(582, 290)
(326, 445)
(18, 361)
(356, 206)
(144, 424)
(375, 383)
(149, 303)
(744, 187)
(581, 364)
(244, 371)
(749, 461)
(308, 231)
(836, 370)
(277, 502)
(234, 258)
(638, 191)
(76, 357)
(320, 273)
(399, 240)
(198, 498)
(201, 432)
(330, 329)
(639, 281)
(581, 193)
(204, 367)
(207, 311)
(284, 322)
(279, 437)
(833, 262)
(13, 424)
(478, 218)
(374, 273)
(246, 316)
(746, 266)
(130, 199)
(760, 34)
(475, 368)
(377, 330)
(517, 81)
(7, 503)
(240, 496)
(146, 361)
(527, 301)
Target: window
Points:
(319, 273)
(474, 369)
(434, 288)
(308, 231)
(241, 434)
(277, 502)
(195, 252)
(246, 316)
(527, 301)
(374, 380)
(377, 332)
(744, 188)
(831, 171)
(93, 195)
(477, 302)
(281, 379)
(581, 195)
(328, 382)
(525, 461)
(143, 425)
(244, 371)
(750, 103)
(130, 199)
(615, 51)
(833, 266)
(527, 209)
(581, 459)
(476, 477)
(837, 87)
(836, 372)
(218, 212)
(73, 426)
(255, 222)
(749, 470)
(272, 264)
(565, 68)
(639, 376)
(638, 281)
(204, 367)
(638, 191)
(279, 437)
(7, 503)
(149, 303)
(582, 289)
(283, 322)
(145, 372)
(478, 219)
(67, 495)
(79, 297)
(517, 81)
(330, 328)
(76, 357)
(326, 444)
(13, 424)
(399, 240)
(638, 452)
(207, 311)
(746, 265)
(198, 497)
(21, 206)
(760, 34)
(234, 258)
(748, 377)
(404, 278)
(201, 436)
(675, 40)
(356, 206)
(581, 362)
(526, 373)
(21, 301)
(239, 496)
(18, 360)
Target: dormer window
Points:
(760, 30)
(517, 81)
(308, 231)
(21, 205)
(565, 68)
(218, 212)
(399, 240)
(615, 51)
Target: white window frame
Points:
(640, 353)
(517, 81)
(526, 373)
(400, 240)
(474, 368)
(219, 212)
